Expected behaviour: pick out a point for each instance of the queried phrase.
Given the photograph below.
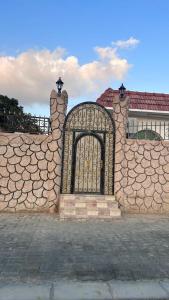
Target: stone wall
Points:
(145, 182)
(30, 165)
(141, 168)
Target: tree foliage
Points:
(147, 134)
(13, 118)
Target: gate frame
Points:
(89, 131)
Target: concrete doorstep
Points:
(75, 290)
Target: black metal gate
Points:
(88, 154)
(88, 158)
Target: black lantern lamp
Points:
(122, 90)
(59, 84)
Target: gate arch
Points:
(88, 151)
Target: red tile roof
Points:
(138, 100)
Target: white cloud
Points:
(130, 43)
(31, 75)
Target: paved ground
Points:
(36, 248)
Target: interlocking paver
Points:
(37, 247)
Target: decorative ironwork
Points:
(24, 123)
(149, 130)
(88, 162)
(88, 154)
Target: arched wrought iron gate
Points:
(88, 152)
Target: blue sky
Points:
(39, 28)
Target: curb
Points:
(75, 290)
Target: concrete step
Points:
(87, 197)
(85, 206)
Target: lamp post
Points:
(122, 90)
(59, 85)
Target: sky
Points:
(91, 44)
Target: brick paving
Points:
(37, 247)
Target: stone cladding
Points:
(30, 165)
(141, 168)
(145, 180)
(120, 111)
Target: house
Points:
(148, 115)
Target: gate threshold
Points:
(88, 206)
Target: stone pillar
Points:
(58, 107)
(120, 116)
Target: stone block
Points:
(80, 204)
(69, 204)
(115, 213)
(92, 213)
(69, 212)
(41, 202)
(81, 211)
(25, 161)
(103, 212)
(102, 205)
